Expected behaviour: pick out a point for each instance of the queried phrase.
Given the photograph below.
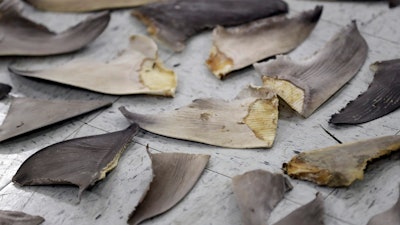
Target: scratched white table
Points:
(211, 201)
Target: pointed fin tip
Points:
(20, 72)
(288, 185)
(12, 69)
(319, 196)
(98, 21)
(353, 24)
(315, 14)
(124, 111)
(103, 15)
(134, 117)
(15, 180)
(80, 192)
(334, 121)
(148, 149)
(83, 188)
(5, 89)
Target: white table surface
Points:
(211, 201)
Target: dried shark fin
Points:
(381, 98)
(340, 165)
(393, 3)
(137, 71)
(85, 5)
(20, 36)
(81, 161)
(19, 218)
(257, 193)
(173, 22)
(175, 174)
(311, 213)
(248, 121)
(27, 114)
(4, 90)
(238, 47)
(306, 85)
(389, 217)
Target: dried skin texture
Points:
(309, 214)
(257, 193)
(175, 174)
(306, 85)
(239, 47)
(4, 90)
(381, 98)
(389, 217)
(136, 71)
(173, 22)
(18, 218)
(20, 36)
(249, 121)
(81, 161)
(85, 5)
(26, 114)
(340, 165)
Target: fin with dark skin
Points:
(80, 161)
(173, 22)
(27, 114)
(381, 98)
(175, 174)
(23, 37)
(19, 218)
(257, 193)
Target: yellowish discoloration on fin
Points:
(262, 119)
(111, 165)
(291, 94)
(151, 27)
(302, 170)
(340, 165)
(156, 77)
(219, 63)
